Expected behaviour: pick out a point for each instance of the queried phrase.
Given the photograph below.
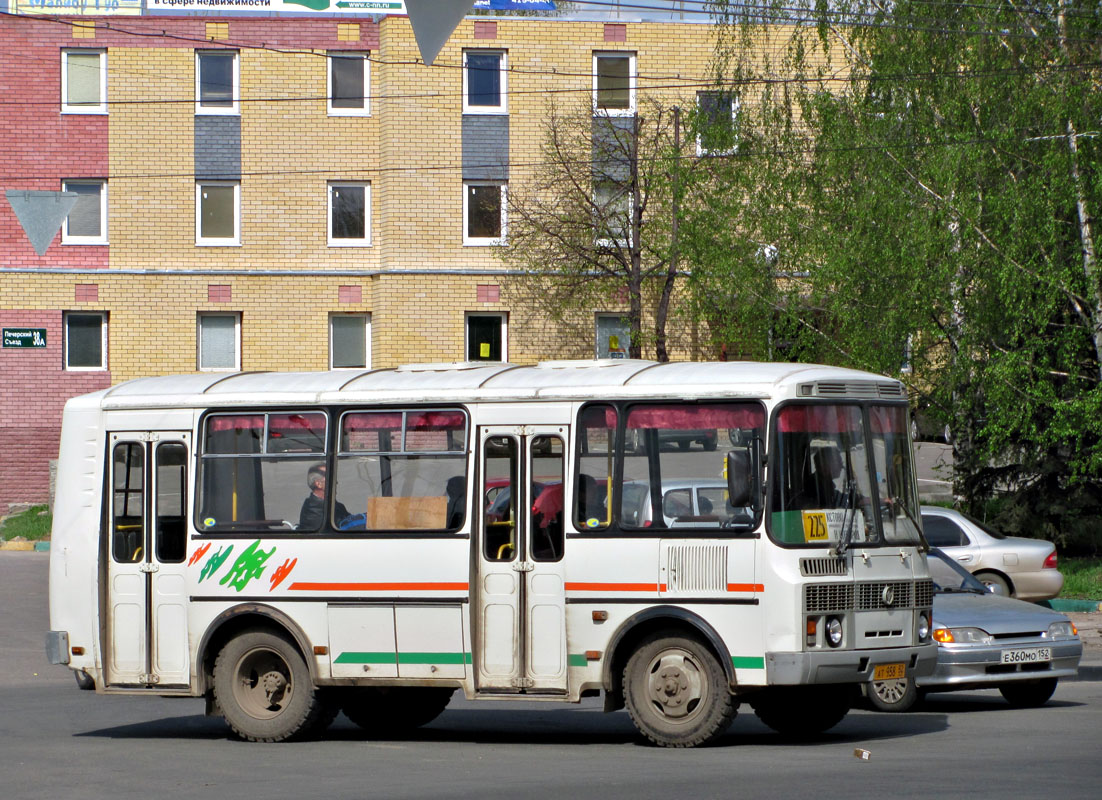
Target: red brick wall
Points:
(33, 389)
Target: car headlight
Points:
(923, 627)
(834, 631)
(1062, 630)
(962, 636)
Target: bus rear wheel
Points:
(263, 686)
(389, 710)
(803, 712)
(676, 692)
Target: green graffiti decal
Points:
(249, 565)
(214, 562)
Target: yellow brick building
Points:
(229, 127)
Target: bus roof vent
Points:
(855, 389)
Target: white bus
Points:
(682, 538)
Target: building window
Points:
(349, 214)
(219, 337)
(486, 337)
(614, 83)
(350, 341)
(612, 209)
(349, 79)
(218, 213)
(85, 340)
(87, 221)
(484, 84)
(717, 115)
(613, 336)
(83, 82)
(216, 82)
(483, 213)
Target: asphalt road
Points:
(59, 742)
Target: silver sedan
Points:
(986, 641)
(1009, 565)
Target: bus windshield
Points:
(842, 474)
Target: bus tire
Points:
(676, 692)
(263, 686)
(389, 710)
(803, 712)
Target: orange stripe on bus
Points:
(377, 587)
(611, 587)
(745, 587)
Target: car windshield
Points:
(843, 474)
(949, 576)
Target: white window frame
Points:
(348, 112)
(503, 93)
(503, 316)
(68, 238)
(83, 108)
(232, 241)
(235, 107)
(616, 112)
(348, 242)
(601, 241)
(484, 241)
(367, 338)
(199, 317)
(102, 367)
(735, 107)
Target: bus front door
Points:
(146, 641)
(520, 628)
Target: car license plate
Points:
(1028, 655)
(889, 672)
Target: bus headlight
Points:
(834, 631)
(923, 627)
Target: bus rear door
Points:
(520, 630)
(146, 641)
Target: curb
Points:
(26, 547)
(1072, 605)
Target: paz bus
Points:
(678, 538)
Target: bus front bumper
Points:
(846, 666)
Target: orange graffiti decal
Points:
(282, 572)
(199, 553)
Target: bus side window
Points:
(127, 519)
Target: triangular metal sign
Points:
(433, 22)
(41, 214)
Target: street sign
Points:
(24, 337)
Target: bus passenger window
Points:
(127, 523)
(596, 449)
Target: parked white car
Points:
(1010, 565)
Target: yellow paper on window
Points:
(484, 350)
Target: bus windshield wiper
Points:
(849, 518)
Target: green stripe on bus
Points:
(577, 660)
(748, 662)
(402, 658)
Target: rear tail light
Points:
(1050, 562)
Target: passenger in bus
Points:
(456, 490)
(312, 515)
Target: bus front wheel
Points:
(263, 687)
(676, 691)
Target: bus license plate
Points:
(1030, 655)
(889, 672)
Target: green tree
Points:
(943, 214)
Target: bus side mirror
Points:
(744, 477)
